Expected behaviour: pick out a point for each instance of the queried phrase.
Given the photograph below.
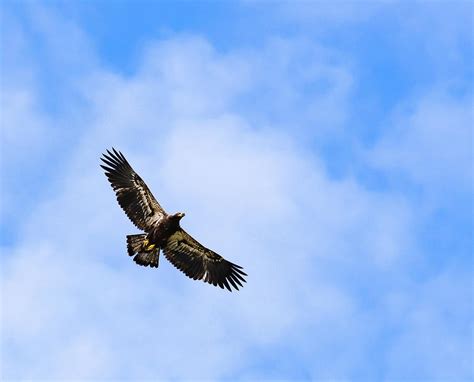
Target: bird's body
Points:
(163, 231)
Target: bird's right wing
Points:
(132, 193)
(200, 263)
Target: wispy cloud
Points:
(430, 141)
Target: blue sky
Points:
(326, 147)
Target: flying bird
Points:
(163, 231)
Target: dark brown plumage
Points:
(163, 231)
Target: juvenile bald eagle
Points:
(163, 231)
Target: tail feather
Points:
(135, 243)
(146, 256)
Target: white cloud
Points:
(430, 140)
(37, 120)
(424, 324)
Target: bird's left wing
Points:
(200, 263)
(132, 193)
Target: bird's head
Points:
(175, 218)
(178, 216)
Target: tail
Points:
(147, 255)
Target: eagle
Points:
(162, 231)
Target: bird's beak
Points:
(181, 214)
